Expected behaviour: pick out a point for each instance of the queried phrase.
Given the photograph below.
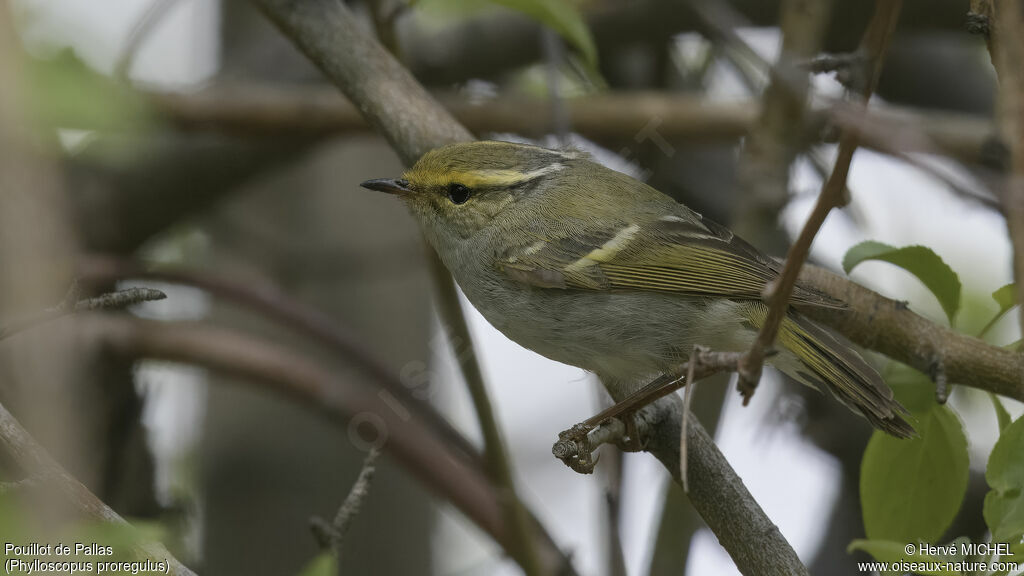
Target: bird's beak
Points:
(389, 185)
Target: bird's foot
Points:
(576, 447)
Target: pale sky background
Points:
(793, 481)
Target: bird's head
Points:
(461, 188)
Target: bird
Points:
(590, 267)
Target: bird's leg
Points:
(616, 424)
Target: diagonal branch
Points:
(331, 535)
(414, 123)
(875, 42)
(270, 301)
(38, 463)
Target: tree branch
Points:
(71, 304)
(38, 463)
(1006, 46)
(414, 123)
(780, 132)
(332, 535)
(888, 326)
(499, 466)
(268, 300)
(876, 41)
(407, 438)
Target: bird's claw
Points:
(576, 446)
(574, 450)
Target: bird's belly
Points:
(626, 336)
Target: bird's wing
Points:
(677, 253)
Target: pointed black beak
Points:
(389, 185)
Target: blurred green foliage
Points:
(63, 92)
(560, 15)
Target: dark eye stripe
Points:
(458, 193)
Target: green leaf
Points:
(890, 551)
(324, 564)
(1006, 297)
(914, 390)
(562, 17)
(1002, 416)
(912, 489)
(1004, 503)
(920, 261)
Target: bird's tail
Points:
(824, 362)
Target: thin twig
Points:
(825, 62)
(874, 45)
(691, 383)
(332, 535)
(71, 304)
(37, 462)
(154, 14)
(499, 464)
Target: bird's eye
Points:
(458, 193)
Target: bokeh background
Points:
(233, 474)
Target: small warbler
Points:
(595, 269)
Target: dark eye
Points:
(458, 193)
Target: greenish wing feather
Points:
(673, 254)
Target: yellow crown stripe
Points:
(496, 178)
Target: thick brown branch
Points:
(1006, 45)
(889, 327)
(262, 110)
